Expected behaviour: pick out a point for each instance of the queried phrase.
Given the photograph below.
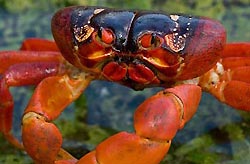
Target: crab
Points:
(184, 55)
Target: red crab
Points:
(138, 49)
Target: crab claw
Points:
(162, 115)
(156, 122)
(41, 138)
(38, 134)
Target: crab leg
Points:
(16, 57)
(229, 80)
(156, 122)
(41, 138)
(30, 52)
(38, 44)
(22, 68)
(240, 49)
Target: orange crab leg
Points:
(229, 80)
(156, 122)
(236, 49)
(37, 44)
(19, 75)
(16, 57)
(41, 138)
(31, 52)
(22, 68)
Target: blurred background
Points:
(216, 134)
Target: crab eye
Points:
(150, 41)
(105, 35)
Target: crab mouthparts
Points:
(127, 68)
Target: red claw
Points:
(38, 143)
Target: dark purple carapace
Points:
(138, 48)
